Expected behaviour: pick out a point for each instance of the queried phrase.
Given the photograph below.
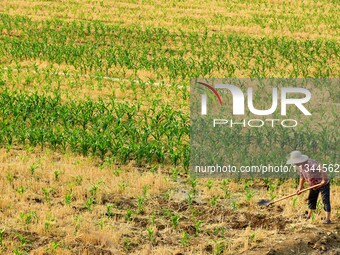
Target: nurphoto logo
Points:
(238, 104)
(244, 127)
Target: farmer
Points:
(311, 171)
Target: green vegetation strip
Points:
(109, 49)
(106, 129)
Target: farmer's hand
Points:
(298, 191)
(323, 182)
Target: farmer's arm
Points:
(302, 181)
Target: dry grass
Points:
(65, 228)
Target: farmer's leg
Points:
(325, 193)
(312, 199)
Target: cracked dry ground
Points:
(285, 236)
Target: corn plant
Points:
(224, 187)
(56, 175)
(29, 217)
(185, 238)
(128, 215)
(151, 234)
(118, 131)
(2, 233)
(213, 201)
(78, 180)
(249, 194)
(88, 204)
(18, 251)
(234, 205)
(21, 189)
(68, 198)
(33, 167)
(198, 225)
(140, 204)
(175, 221)
(174, 174)
(109, 212)
(47, 194)
(77, 222)
(294, 202)
(193, 182)
(219, 247)
(122, 185)
(53, 247)
(209, 184)
(101, 223)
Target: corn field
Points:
(95, 125)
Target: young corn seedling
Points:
(22, 239)
(101, 223)
(56, 175)
(145, 190)
(128, 215)
(2, 233)
(21, 190)
(185, 238)
(294, 202)
(68, 198)
(209, 184)
(166, 195)
(29, 217)
(89, 204)
(174, 174)
(53, 247)
(77, 222)
(78, 180)
(151, 234)
(140, 204)
(219, 247)
(249, 194)
(213, 201)
(47, 194)
(127, 244)
(47, 225)
(109, 212)
(122, 186)
(224, 187)
(198, 225)
(49, 219)
(18, 251)
(117, 172)
(313, 217)
(252, 237)
(190, 198)
(10, 178)
(94, 188)
(193, 183)
(234, 205)
(33, 167)
(175, 221)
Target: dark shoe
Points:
(327, 222)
